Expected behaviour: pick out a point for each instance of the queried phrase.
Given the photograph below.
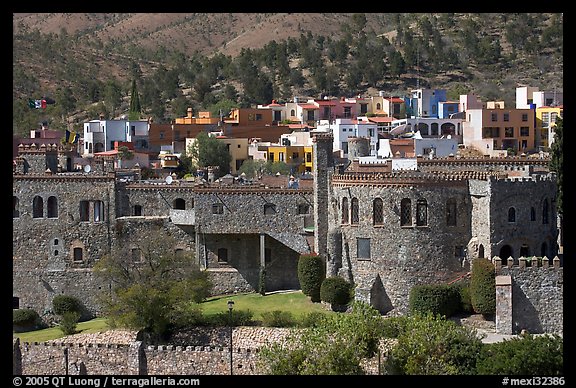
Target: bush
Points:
(526, 355)
(393, 327)
(438, 299)
(483, 287)
(69, 322)
(336, 291)
(311, 273)
(239, 318)
(278, 318)
(62, 304)
(311, 319)
(25, 320)
(463, 290)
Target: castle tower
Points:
(322, 170)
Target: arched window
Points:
(406, 212)
(545, 212)
(378, 106)
(421, 212)
(355, 211)
(524, 250)
(52, 207)
(378, 211)
(38, 207)
(481, 251)
(505, 253)
(451, 215)
(179, 204)
(511, 215)
(222, 255)
(137, 210)
(345, 210)
(15, 207)
(292, 112)
(269, 208)
(84, 211)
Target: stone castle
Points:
(384, 229)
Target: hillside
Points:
(86, 61)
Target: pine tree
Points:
(135, 108)
(557, 160)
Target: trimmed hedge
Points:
(25, 320)
(438, 299)
(311, 273)
(336, 291)
(278, 318)
(62, 304)
(483, 287)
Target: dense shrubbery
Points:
(483, 287)
(526, 355)
(336, 291)
(438, 299)
(278, 318)
(236, 318)
(311, 273)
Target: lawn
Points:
(293, 301)
(92, 326)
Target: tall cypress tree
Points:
(557, 161)
(135, 108)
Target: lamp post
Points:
(230, 306)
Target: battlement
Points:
(413, 177)
(527, 262)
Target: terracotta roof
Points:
(394, 99)
(377, 119)
(326, 102)
(308, 106)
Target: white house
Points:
(342, 129)
(100, 135)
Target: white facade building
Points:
(342, 129)
(100, 135)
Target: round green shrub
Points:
(25, 320)
(62, 304)
(483, 287)
(336, 291)
(69, 322)
(438, 299)
(311, 273)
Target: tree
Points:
(135, 108)
(152, 285)
(311, 273)
(557, 161)
(209, 151)
(334, 345)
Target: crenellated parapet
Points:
(403, 178)
(527, 262)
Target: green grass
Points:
(295, 302)
(92, 326)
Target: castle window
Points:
(269, 208)
(222, 255)
(545, 212)
(363, 248)
(511, 215)
(179, 204)
(98, 211)
(303, 208)
(532, 214)
(52, 207)
(345, 210)
(217, 208)
(378, 211)
(15, 207)
(421, 212)
(78, 254)
(406, 212)
(267, 255)
(137, 210)
(38, 207)
(136, 255)
(524, 251)
(451, 212)
(56, 241)
(543, 249)
(355, 210)
(84, 211)
(15, 302)
(481, 251)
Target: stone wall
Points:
(537, 295)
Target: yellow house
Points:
(294, 156)
(545, 122)
(238, 149)
(204, 117)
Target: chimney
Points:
(189, 113)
